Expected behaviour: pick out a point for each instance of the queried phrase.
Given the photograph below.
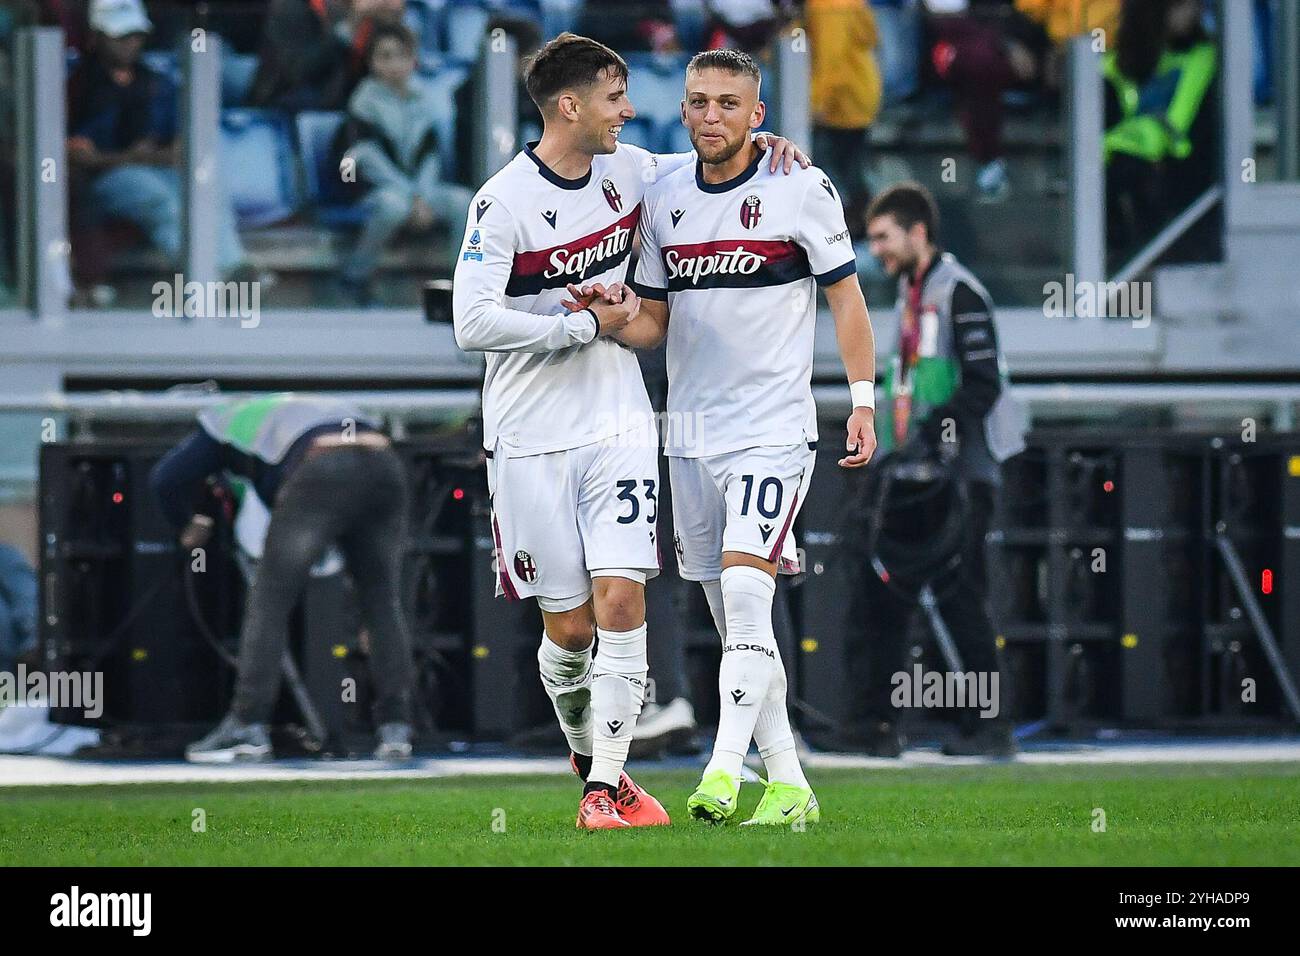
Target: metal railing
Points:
(1085, 127)
(1047, 401)
(1160, 243)
(1287, 86)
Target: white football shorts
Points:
(562, 516)
(743, 501)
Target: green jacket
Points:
(1158, 115)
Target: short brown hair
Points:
(731, 61)
(566, 62)
(389, 30)
(909, 203)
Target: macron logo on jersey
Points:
(591, 255)
(734, 263)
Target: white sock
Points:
(713, 594)
(748, 662)
(772, 732)
(773, 736)
(617, 692)
(566, 675)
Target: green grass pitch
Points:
(1008, 814)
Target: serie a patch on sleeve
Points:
(473, 246)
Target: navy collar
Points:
(551, 175)
(738, 180)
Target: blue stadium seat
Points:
(657, 86)
(444, 82)
(258, 164)
(422, 18)
(237, 73)
(640, 132)
(656, 91)
(316, 132)
(677, 140)
(164, 62)
(465, 25)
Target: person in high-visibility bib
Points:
(329, 476)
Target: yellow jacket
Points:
(1063, 19)
(846, 84)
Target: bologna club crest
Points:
(525, 567)
(751, 211)
(611, 195)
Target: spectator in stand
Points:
(846, 92)
(395, 149)
(631, 25)
(122, 147)
(1066, 19)
(313, 51)
(747, 25)
(1161, 119)
(70, 16)
(1063, 19)
(979, 60)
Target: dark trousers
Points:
(842, 153)
(978, 72)
(877, 646)
(356, 497)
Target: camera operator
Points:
(942, 405)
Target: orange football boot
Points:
(597, 812)
(634, 804)
(637, 807)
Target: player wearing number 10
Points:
(735, 255)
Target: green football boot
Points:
(784, 805)
(714, 800)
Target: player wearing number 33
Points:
(569, 433)
(734, 255)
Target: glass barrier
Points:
(972, 109)
(11, 19)
(124, 128)
(1163, 135)
(1274, 81)
(345, 145)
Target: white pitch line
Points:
(1283, 751)
(57, 771)
(21, 771)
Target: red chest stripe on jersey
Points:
(734, 264)
(574, 261)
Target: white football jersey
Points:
(550, 384)
(737, 262)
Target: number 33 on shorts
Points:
(627, 491)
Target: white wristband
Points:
(864, 394)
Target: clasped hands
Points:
(614, 306)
